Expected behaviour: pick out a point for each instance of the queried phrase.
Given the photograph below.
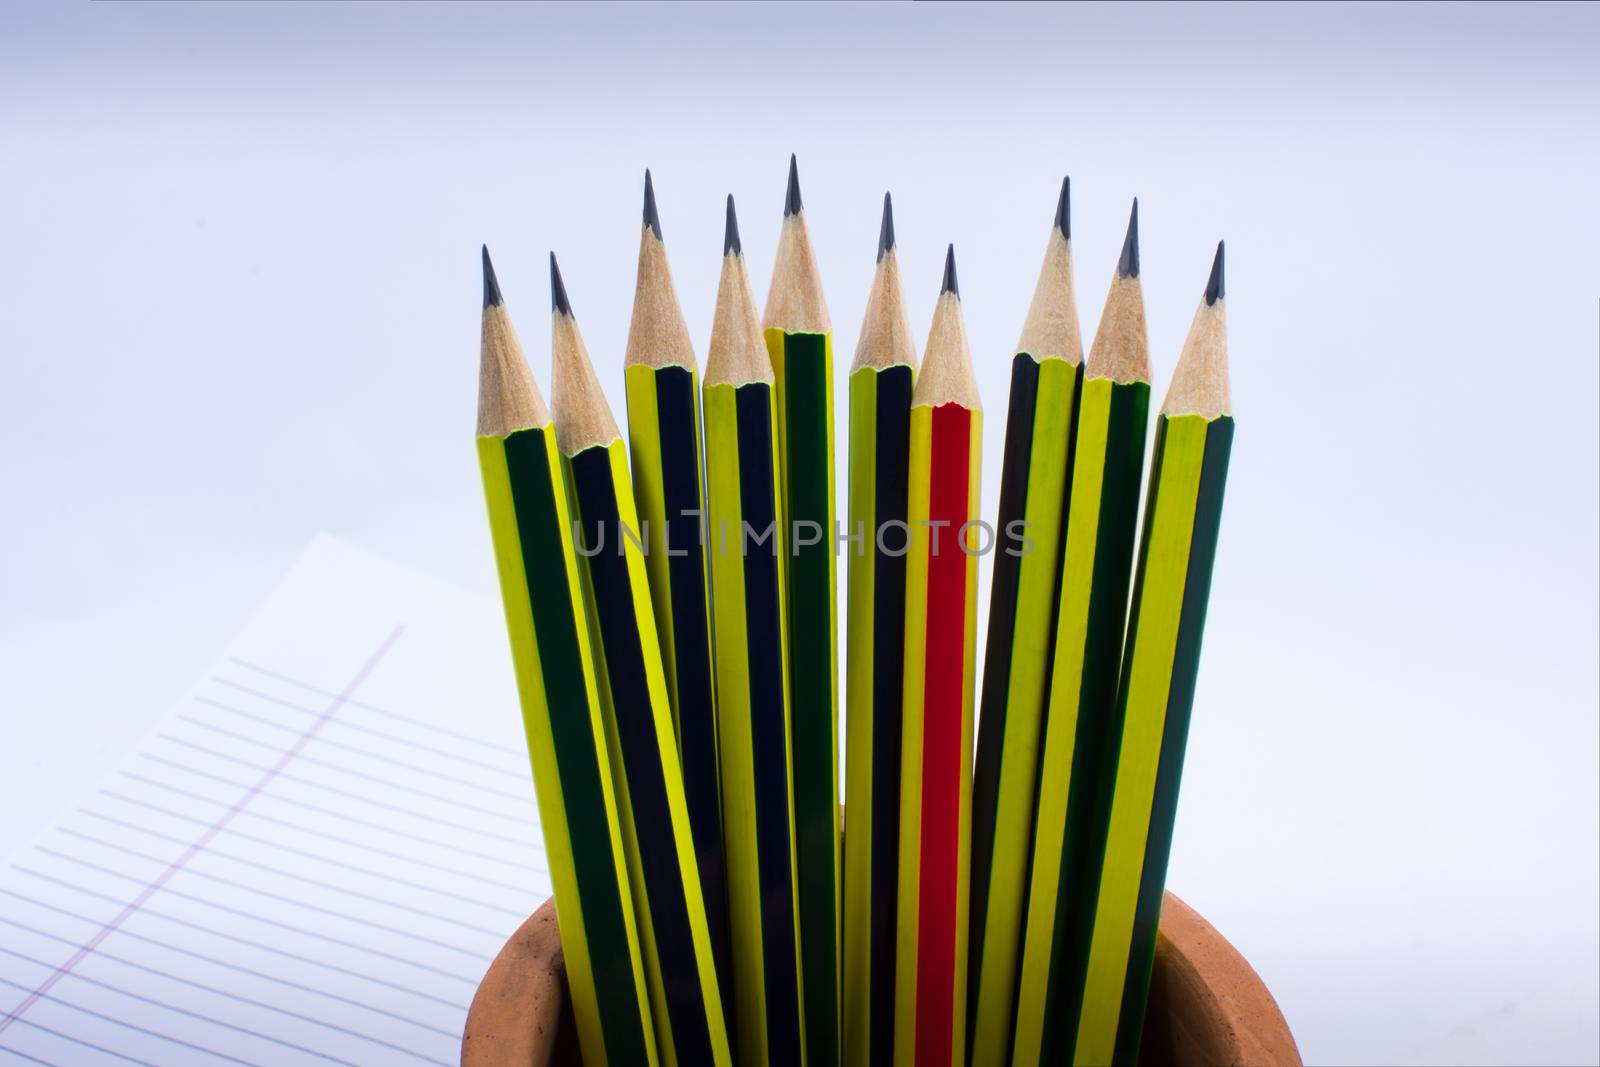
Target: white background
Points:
(239, 303)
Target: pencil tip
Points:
(491, 284)
(651, 219)
(791, 200)
(886, 233)
(1128, 265)
(730, 233)
(949, 283)
(1064, 209)
(558, 290)
(1214, 287)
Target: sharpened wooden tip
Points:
(737, 355)
(583, 418)
(1121, 349)
(794, 299)
(885, 328)
(1200, 384)
(946, 376)
(658, 336)
(508, 398)
(1051, 330)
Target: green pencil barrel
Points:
(1074, 781)
(1022, 613)
(529, 522)
(1155, 697)
(803, 366)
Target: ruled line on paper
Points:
(329, 885)
(176, 865)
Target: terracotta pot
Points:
(1207, 1005)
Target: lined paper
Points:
(312, 859)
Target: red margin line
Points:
(206, 838)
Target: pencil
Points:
(1069, 835)
(799, 341)
(526, 492)
(747, 582)
(1045, 375)
(663, 396)
(936, 741)
(679, 968)
(1194, 434)
(881, 377)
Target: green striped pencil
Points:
(526, 491)
(1108, 461)
(799, 341)
(1045, 375)
(663, 394)
(747, 583)
(881, 379)
(1194, 435)
(679, 968)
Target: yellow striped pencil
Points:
(799, 341)
(1045, 374)
(747, 583)
(1107, 465)
(526, 491)
(679, 968)
(881, 378)
(1194, 435)
(664, 442)
(936, 741)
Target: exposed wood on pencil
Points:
(886, 337)
(1121, 349)
(946, 376)
(508, 398)
(1051, 330)
(658, 336)
(1200, 382)
(583, 419)
(794, 300)
(738, 354)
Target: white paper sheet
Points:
(312, 859)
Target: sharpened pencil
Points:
(946, 449)
(1045, 376)
(1188, 474)
(663, 395)
(1069, 836)
(799, 341)
(881, 379)
(526, 491)
(679, 968)
(747, 582)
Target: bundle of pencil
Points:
(799, 341)
(1194, 436)
(1107, 465)
(686, 999)
(747, 582)
(1022, 611)
(946, 450)
(675, 656)
(664, 439)
(526, 489)
(881, 377)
